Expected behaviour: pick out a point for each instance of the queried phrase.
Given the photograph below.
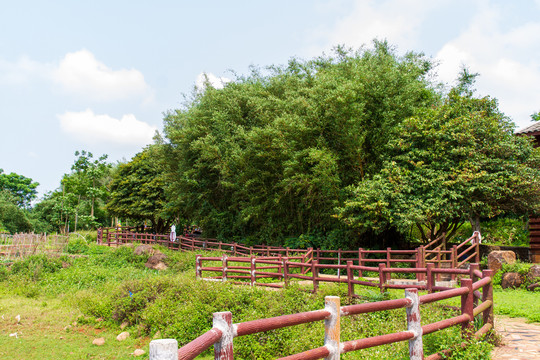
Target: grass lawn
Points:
(518, 303)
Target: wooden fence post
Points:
(223, 349)
(332, 327)
(487, 294)
(224, 268)
(473, 268)
(429, 277)
(252, 270)
(388, 257)
(198, 269)
(315, 274)
(382, 276)
(350, 278)
(416, 348)
(339, 263)
(360, 262)
(285, 271)
(467, 307)
(454, 260)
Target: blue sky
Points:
(99, 75)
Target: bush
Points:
(35, 266)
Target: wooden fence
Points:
(434, 252)
(473, 304)
(22, 245)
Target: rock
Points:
(124, 325)
(511, 280)
(533, 286)
(138, 352)
(122, 336)
(144, 250)
(534, 273)
(497, 258)
(99, 341)
(156, 262)
(157, 335)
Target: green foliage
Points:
(138, 190)
(13, 219)
(518, 267)
(268, 156)
(505, 231)
(518, 303)
(447, 165)
(22, 189)
(36, 266)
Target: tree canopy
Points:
(270, 154)
(137, 190)
(448, 164)
(22, 189)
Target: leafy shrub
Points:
(518, 267)
(36, 266)
(77, 246)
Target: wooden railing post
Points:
(224, 268)
(388, 257)
(332, 327)
(467, 307)
(163, 349)
(382, 276)
(252, 270)
(472, 269)
(454, 260)
(487, 294)
(360, 262)
(223, 349)
(429, 277)
(350, 278)
(416, 348)
(198, 269)
(285, 271)
(315, 274)
(339, 263)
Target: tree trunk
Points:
(475, 223)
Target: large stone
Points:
(511, 280)
(144, 250)
(138, 352)
(534, 273)
(99, 341)
(122, 336)
(497, 258)
(156, 262)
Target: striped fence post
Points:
(467, 307)
(223, 349)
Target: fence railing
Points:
(473, 304)
(467, 251)
(19, 246)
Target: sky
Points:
(100, 75)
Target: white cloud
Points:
(398, 21)
(80, 72)
(213, 80)
(93, 128)
(508, 61)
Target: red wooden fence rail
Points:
(224, 331)
(467, 251)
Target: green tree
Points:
(137, 190)
(13, 219)
(269, 155)
(22, 189)
(447, 165)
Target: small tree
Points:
(456, 162)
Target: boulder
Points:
(156, 262)
(138, 352)
(497, 258)
(511, 280)
(144, 250)
(122, 336)
(124, 325)
(99, 341)
(534, 273)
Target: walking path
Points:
(521, 341)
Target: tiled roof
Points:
(529, 129)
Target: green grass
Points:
(66, 302)
(518, 303)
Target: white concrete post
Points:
(164, 349)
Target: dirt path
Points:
(521, 341)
